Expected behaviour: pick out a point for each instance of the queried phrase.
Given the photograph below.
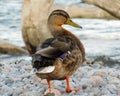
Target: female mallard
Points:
(59, 57)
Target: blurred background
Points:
(99, 36)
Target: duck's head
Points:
(59, 17)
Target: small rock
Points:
(43, 81)
(107, 61)
(25, 88)
(54, 92)
(6, 70)
(23, 95)
(96, 79)
(100, 73)
(29, 67)
(37, 79)
(50, 94)
(112, 89)
(84, 87)
(115, 81)
(1, 65)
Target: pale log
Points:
(7, 48)
(34, 22)
(85, 12)
(111, 6)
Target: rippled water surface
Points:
(100, 37)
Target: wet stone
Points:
(84, 87)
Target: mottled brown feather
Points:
(60, 42)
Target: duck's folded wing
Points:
(61, 45)
(55, 49)
(49, 52)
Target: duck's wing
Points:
(61, 45)
(53, 48)
(49, 52)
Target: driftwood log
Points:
(7, 48)
(34, 22)
(111, 6)
(85, 12)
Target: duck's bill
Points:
(70, 22)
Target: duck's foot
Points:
(52, 92)
(49, 94)
(73, 89)
(68, 88)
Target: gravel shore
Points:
(96, 78)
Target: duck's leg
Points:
(68, 88)
(49, 85)
(51, 91)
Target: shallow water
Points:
(99, 36)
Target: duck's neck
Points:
(59, 31)
(56, 30)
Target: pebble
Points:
(55, 92)
(96, 79)
(17, 79)
(43, 81)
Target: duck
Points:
(59, 57)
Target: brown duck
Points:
(59, 57)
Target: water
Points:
(99, 36)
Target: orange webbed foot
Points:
(51, 91)
(68, 88)
(73, 89)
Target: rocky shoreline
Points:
(96, 77)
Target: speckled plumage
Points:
(64, 67)
(63, 42)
